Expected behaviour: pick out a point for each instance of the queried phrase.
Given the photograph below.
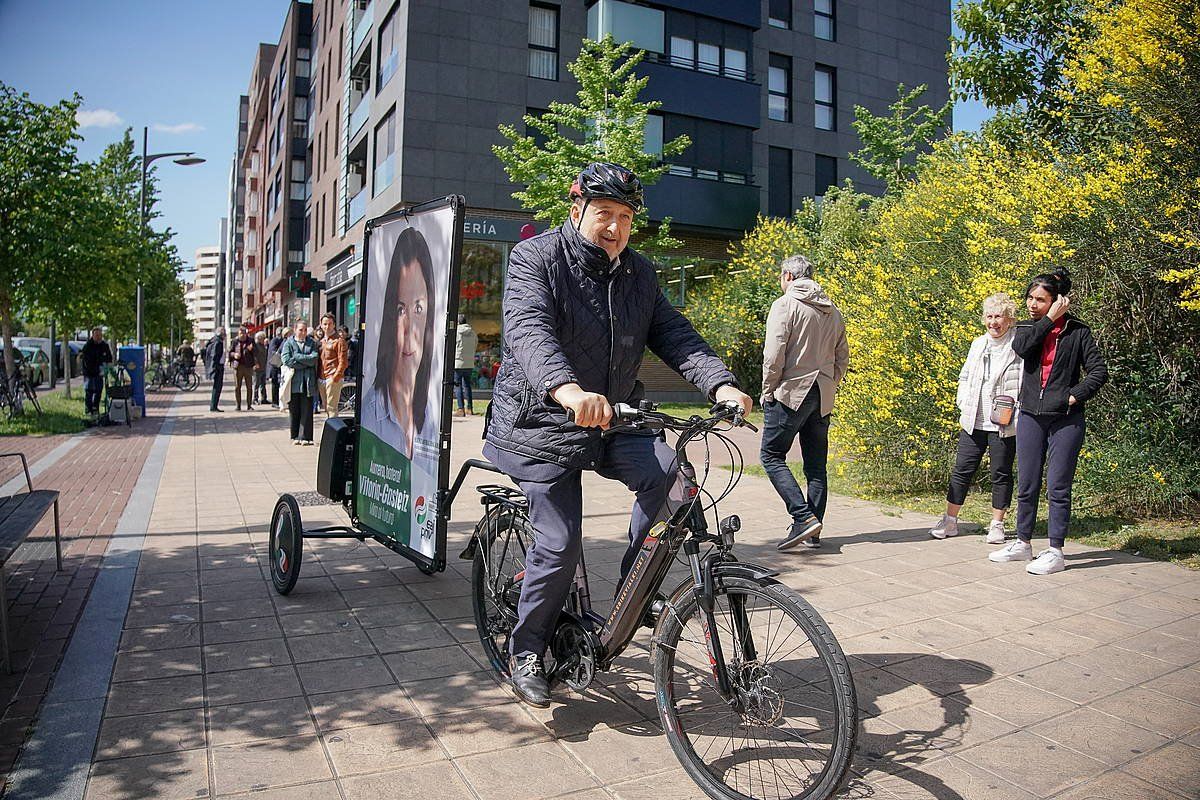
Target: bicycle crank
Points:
(574, 656)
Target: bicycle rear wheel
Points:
(503, 537)
(793, 735)
(189, 382)
(31, 396)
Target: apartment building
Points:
(201, 293)
(231, 302)
(406, 96)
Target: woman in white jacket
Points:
(992, 371)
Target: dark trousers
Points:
(971, 447)
(275, 388)
(462, 387)
(781, 427)
(218, 379)
(1053, 442)
(260, 386)
(646, 465)
(245, 376)
(93, 385)
(301, 412)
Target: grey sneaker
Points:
(995, 532)
(1014, 551)
(1047, 563)
(947, 527)
(800, 530)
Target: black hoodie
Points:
(1076, 350)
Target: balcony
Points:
(701, 94)
(385, 173)
(358, 208)
(705, 201)
(360, 115)
(362, 28)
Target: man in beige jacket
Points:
(805, 356)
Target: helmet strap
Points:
(583, 211)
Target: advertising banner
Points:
(410, 290)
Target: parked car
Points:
(35, 365)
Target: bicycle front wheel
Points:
(791, 731)
(190, 381)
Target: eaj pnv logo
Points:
(421, 508)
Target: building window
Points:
(388, 54)
(779, 81)
(779, 14)
(779, 182)
(719, 152)
(683, 52)
(825, 169)
(385, 152)
(708, 58)
(824, 24)
(735, 64)
(543, 42)
(825, 87)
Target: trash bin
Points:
(134, 359)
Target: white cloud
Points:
(183, 127)
(97, 118)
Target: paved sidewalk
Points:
(975, 680)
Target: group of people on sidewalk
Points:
(305, 370)
(1021, 397)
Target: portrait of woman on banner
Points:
(395, 406)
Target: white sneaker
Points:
(995, 532)
(947, 527)
(1047, 563)
(1015, 551)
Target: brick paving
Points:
(95, 478)
(975, 680)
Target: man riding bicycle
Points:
(580, 308)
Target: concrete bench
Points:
(19, 515)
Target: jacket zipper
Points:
(1053, 361)
(612, 338)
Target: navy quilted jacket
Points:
(570, 316)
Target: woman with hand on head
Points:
(987, 389)
(1063, 369)
(300, 353)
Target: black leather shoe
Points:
(529, 680)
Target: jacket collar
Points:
(589, 256)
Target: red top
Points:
(1049, 345)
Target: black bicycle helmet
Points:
(604, 181)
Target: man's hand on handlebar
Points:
(734, 396)
(590, 410)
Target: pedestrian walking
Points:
(805, 357)
(988, 385)
(335, 360)
(260, 367)
(1062, 370)
(301, 354)
(241, 358)
(275, 363)
(214, 358)
(466, 342)
(95, 354)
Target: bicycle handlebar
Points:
(635, 417)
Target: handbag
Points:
(1003, 408)
(275, 360)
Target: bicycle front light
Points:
(728, 527)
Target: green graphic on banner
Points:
(384, 498)
(351, 306)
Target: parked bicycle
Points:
(177, 373)
(16, 392)
(754, 693)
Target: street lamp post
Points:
(184, 159)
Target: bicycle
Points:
(738, 718)
(17, 391)
(178, 374)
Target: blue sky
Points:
(175, 65)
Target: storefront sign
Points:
(500, 230)
(341, 273)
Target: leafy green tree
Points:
(608, 123)
(38, 170)
(1011, 54)
(891, 143)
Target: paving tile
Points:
(252, 685)
(572, 715)
(431, 663)
(1035, 764)
(392, 614)
(144, 616)
(1120, 663)
(241, 630)
(1184, 684)
(326, 646)
(879, 648)
(160, 637)
(273, 762)
(1101, 736)
(1072, 681)
(148, 734)
(949, 778)
(1119, 786)
(220, 610)
(999, 657)
(356, 707)
(246, 655)
(547, 770)
(439, 779)
(1051, 641)
(344, 674)
(1016, 702)
(615, 755)
(306, 623)
(1177, 650)
(163, 694)
(938, 634)
(1152, 710)
(483, 729)
(414, 636)
(374, 748)
(674, 785)
(149, 664)
(1175, 767)
(942, 675)
(880, 691)
(270, 719)
(945, 724)
(456, 693)
(167, 776)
